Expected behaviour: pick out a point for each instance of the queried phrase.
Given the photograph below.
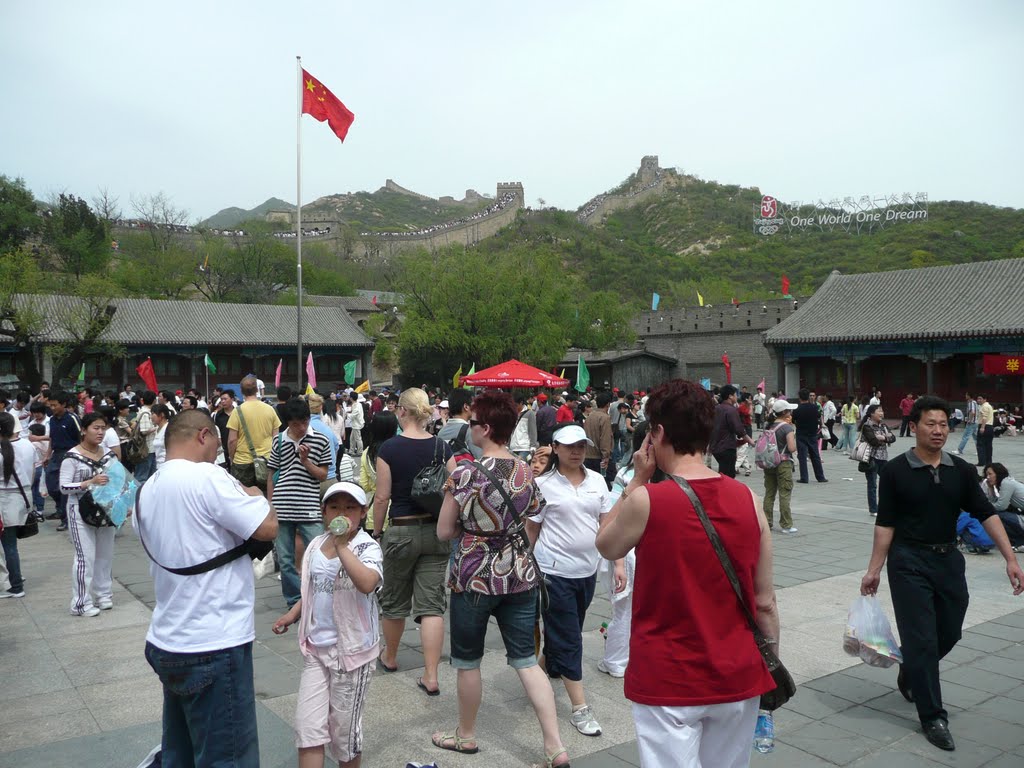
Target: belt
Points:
(939, 549)
(412, 520)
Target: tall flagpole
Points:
(298, 234)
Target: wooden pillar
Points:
(930, 372)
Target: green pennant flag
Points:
(81, 375)
(350, 372)
(209, 364)
(582, 376)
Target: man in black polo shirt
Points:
(64, 435)
(807, 420)
(921, 494)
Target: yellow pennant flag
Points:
(309, 390)
(363, 388)
(562, 375)
(700, 299)
(457, 377)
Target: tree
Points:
(18, 216)
(85, 318)
(77, 237)
(107, 206)
(470, 305)
(164, 221)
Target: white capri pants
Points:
(709, 736)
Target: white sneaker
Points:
(788, 530)
(608, 670)
(585, 722)
(105, 605)
(92, 610)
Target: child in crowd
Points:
(339, 630)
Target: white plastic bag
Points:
(264, 567)
(869, 634)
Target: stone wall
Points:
(697, 336)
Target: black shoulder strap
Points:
(192, 570)
(723, 556)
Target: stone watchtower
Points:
(516, 188)
(648, 169)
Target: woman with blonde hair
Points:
(415, 560)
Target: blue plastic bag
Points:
(973, 532)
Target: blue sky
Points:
(805, 100)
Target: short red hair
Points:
(686, 411)
(499, 411)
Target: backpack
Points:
(460, 446)
(766, 450)
(135, 451)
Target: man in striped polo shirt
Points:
(298, 463)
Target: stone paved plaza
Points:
(78, 692)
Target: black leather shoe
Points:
(901, 683)
(53, 516)
(937, 732)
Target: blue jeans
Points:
(285, 546)
(847, 440)
(38, 502)
(53, 484)
(209, 707)
(872, 476)
(9, 538)
(970, 430)
(145, 468)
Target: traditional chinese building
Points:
(916, 330)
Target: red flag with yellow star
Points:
(324, 105)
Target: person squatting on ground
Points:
(200, 636)
(695, 675)
(82, 468)
(493, 573)
(339, 631)
(922, 492)
(415, 560)
(564, 532)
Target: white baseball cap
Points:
(571, 435)
(443, 404)
(353, 490)
(781, 406)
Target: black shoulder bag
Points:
(31, 525)
(428, 484)
(90, 512)
(785, 687)
(518, 534)
(252, 547)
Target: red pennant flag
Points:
(735, 301)
(785, 286)
(728, 368)
(374, 300)
(324, 105)
(147, 374)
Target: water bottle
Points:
(339, 526)
(764, 732)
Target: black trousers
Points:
(807, 446)
(726, 462)
(929, 597)
(905, 426)
(985, 436)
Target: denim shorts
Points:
(516, 615)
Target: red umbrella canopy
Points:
(513, 374)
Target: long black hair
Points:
(6, 451)
(383, 427)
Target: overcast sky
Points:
(805, 100)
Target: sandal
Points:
(549, 760)
(385, 667)
(458, 744)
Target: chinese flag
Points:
(324, 105)
(785, 286)
(147, 374)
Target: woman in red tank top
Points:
(695, 675)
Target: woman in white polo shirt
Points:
(565, 532)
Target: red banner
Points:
(1003, 365)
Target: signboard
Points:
(1003, 365)
(854, 216)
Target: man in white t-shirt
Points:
(202, 630)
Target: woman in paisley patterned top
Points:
(494, 574)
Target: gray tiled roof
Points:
(348, 303)
(571, 357)
(963, 300)
(149, 321)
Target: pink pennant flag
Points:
(277, 374)
(310, 371)
(761, 385)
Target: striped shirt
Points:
(296, 494)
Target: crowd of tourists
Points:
(594, 203)
(386, 506)
(493, 208)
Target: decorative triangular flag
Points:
(582, 376)
(363, 388)
(277, 374)
(81, 375)
(310, 371)
(655, 300)
(209, 364)
(350, 372)
(457, 377)
(700, 299)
